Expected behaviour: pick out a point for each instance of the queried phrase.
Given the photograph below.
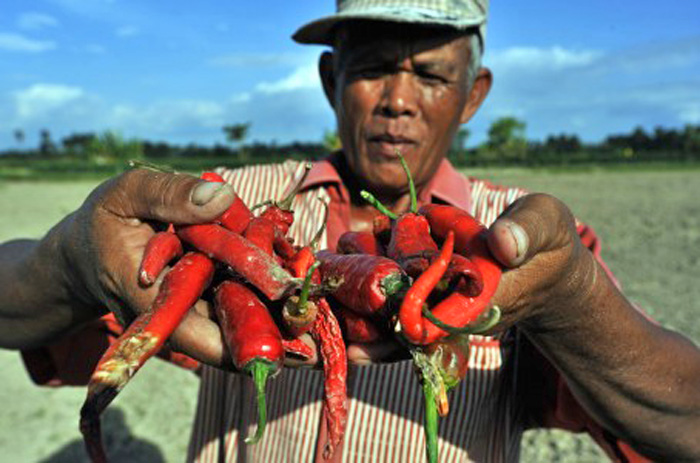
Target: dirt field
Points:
(649, 223)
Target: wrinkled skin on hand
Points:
(103, 243)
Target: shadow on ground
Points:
(121, 446)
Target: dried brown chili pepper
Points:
(327, 333)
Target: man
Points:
(403, 74)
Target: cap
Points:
(459, 14)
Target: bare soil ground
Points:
(649, 223)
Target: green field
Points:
(649, 222)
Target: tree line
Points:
(506, 144)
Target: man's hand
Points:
(549, 268)
(637, 379)
(103, 243)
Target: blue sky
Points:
(177, 72)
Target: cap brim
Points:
(321, 31)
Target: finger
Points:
(201, 338)
(533, 224)
(376, 352)
(170, 198)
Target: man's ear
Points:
(327, 73)
(477, 94)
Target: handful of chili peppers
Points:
(425, 276)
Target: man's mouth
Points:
(388, 144)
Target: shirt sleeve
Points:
(71, 360)
(556, 406)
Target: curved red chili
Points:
(237, 216)
(413, 326)
(459, 310)
(181, 288)
(160, 250)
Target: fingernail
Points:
(205, 192)
(521, 241)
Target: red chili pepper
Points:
(357, 242)
(357, 328)
(413, 326)
(297, 347)
(244, 258)
(161, 248)
(181, 288)
(327, 333)
(450, 355)
(253, 339)
(362, 282)
(261, 232)
(459, 310)
(464, 276)
(280, 213)
(237, 216)
(381, 227)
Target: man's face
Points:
(398, 91)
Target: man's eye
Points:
(432, 78)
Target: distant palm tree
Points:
(235, 134)
(19, 136)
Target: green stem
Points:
(141, 164)
(488, 321)
(317, 237)
(431, 383)
(369, 197)
(411, 185)
(286, 203)
(304, 296)
(260, 370)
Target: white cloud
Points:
(538, 59)
(41, 99)
(166, 116)
(17, 42)
(303, 77)
(127, 31)
(34, 21)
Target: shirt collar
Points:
(447, 185)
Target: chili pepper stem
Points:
(411, 184)
(488, 321)
(319, 233)
(433, 391)
(304, 296)
(260, 370)
(141, 164)
(286, 203)
(394, 284)
(369, 197)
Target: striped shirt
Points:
(488, 413)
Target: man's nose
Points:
(399, 95)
